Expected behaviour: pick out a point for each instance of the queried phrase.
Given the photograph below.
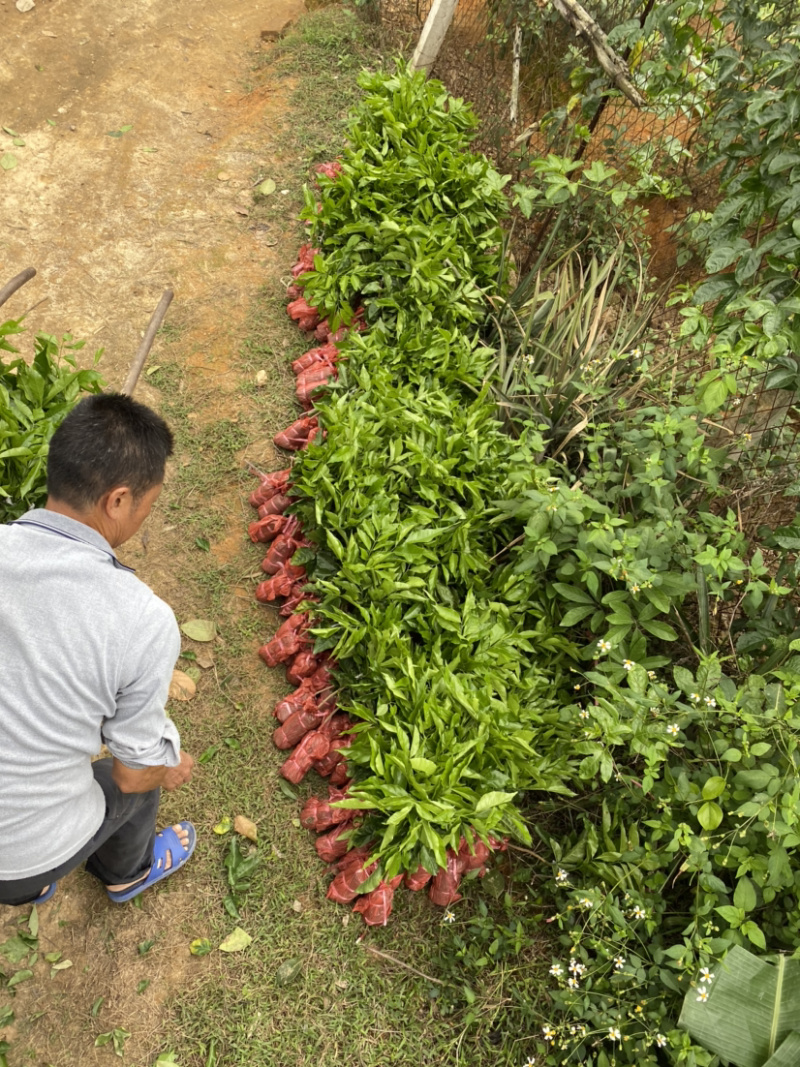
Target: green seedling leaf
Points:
(203, 544)
(152, 370)
(8, 161)
(97, 1006)
(19, 976)
(18, 142)
(267, 188)
(166, 1059)
(51, 121)
(286, 789)
(114, 133)
(124, 129)
(52, 957)
(141, 986)
(288, 971)
(33, 922)
(200, 629)
(15, 949)
(201, 946)
(6, 1016)
(224, 826)
(149, 149)
(145, 946)
(236, 941)
(10, 132)
(208, 754)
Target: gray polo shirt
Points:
(86, 656)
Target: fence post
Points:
(433, 33)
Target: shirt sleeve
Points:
(139, 733)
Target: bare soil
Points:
(109, 222)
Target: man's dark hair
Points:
(107, 440)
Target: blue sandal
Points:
(166, 841)
(46, 896)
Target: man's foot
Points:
(46, 894)
(183, 837)
(173, 847)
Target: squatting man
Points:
(86, 656)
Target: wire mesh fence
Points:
(654, 143)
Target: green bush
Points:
(34, 400)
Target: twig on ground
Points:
(400, 963)
(529, 852)
(16, 282)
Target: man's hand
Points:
(143, 780)
(174, 777)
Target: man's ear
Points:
(114, 500)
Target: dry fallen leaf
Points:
(261, 378)
(205, 659)
(49, 33)
(236, 941)
(297, 906)
(181, 687)
(224, 176)
(199, 629)
(246, 827)
(25, 5)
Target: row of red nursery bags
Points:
(309, 720)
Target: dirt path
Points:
(109, 222)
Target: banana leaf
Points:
(752, 1015)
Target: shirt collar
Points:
(63, 526)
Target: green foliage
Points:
(34, 400)
(503, 613)
(558, 360)
(239, 868)
(411, 225)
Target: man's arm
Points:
(144, 780)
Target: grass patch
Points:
(325, 51)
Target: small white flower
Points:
(628, 664)
(706, 975)
(651, 675)
(615, 1034)
(562, 877)
(583, 713)
(635, 588)
(702, 994)
(604, 646)
(572, 983)
(556, 970)
(661, 1041)
(548, 1033)
(710, 702)
(576, 688)
(530, 1062)
(619, 963)
(552, 488)
(584, 902)
(449, 917)
(577, 967)
(673, 729)
(695, 697)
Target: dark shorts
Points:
(120, 851)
